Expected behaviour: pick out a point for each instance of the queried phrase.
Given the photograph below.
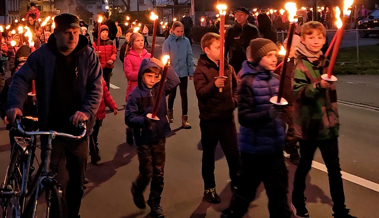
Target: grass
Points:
(368, 61)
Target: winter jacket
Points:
(108, 52)
(215, 105)
(260, 132)
(119, 31)
(180, 51)
(132, 64)
(141, 102)
(315, 108)
(35, 12)
(40, 66)
(106, 101)
(237, 40)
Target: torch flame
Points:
(13, 32)
(271, 11)
(13, 43)
(202, 19)
(30, 36)
(282, 51)
(174, 19)
(153, 16)
(100, 19)
(166, 59)
(1, 29)
(222, 8)
(346, 7)
(20, 29)
(126, 23)
(127, 18)
(338, 17)
(136, 29)
(8, 27)
(45, 21)
(291, 8)
(53, 25)
(282, 11)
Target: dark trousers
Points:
(183, 94)
(272, 171)
(291, 139)
(187, 33)
(93, 145)
(145, 41)
(107, 74)
(151, 168)
(224, 132)
(70, 156)
(117, 42)
(329, 152)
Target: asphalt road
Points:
(108, 193)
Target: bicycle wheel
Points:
(48, 203)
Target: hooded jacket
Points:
(215, 105)
(132, 63)
(260, 133)
(181, 57)
(108, 52)
(40, 66)
(141, 102)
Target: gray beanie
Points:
(259, 48)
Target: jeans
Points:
(183, 94)
(272, 171)
(151, 168)
(329, 152)
(224, 132)
(107, 74)
(93, 145)
(117, 42)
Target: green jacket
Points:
(315, 108)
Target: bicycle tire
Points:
(53, 203)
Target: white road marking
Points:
(113, 86)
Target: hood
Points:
(249, 69)
(146, 63)
(302, 50)
(205, 61)
(173, 37)
(82, 44)
(134, 53)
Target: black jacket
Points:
(215, 105)
(237, 40)
(112, 29)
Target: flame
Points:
(153, 16)
(126, 24)
(45, 21)
(161, 22)
(53, 18)
(222, 8)
(16, 21)
(256, 14)
(303, 8)
(282, 11)
(1, 29)
(139, 24)
(217, 15)
(127, 18)
(13, 43)
(166, 59)
(282, 51)
(271, 11)
(13, 32)
(30, 36)
(202, 19)
(136, 29)
(255, 9)
(163, 27)
(23, 19)
(20, 29)
(291, 8)
(53, 25)
(346, 7)
(100, 19)
(322, 8)
(8, 27)
(338, 17)
(174, 19)
(39, 19)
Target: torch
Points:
(99, 20)
(30, 38)
(21, 31)
(282, 52)
(291, 8)
(346, 13)
(222, 9)
(44, 24)
(1, 34)
(166, 62)
(154, 17)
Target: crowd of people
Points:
(72, 81)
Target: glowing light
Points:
(282, 11)
(126, 24)
(30, 36)
(106, 7)
(153, 16)
(165, 59)
(291, 8)
(13, 32)
(136, 29)
(23, 19)
(13, 43)
(100, 19)
(222, 8)
(256, 14)
(271, 11)
(39, 19)
(202, 19)
(1, 29)
(45, 21)
(16, 21)
(20, 29)
(163, 27)
(174, 19)
(323, 8)
(8, 27)
(303, 8)
(282, 51)
(139, 24)
(338, 17)
(161, 22)
(347, 7)
(255, 9)
(217, 15)
(53, 25)
(127, 18)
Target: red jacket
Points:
(35, 12)
(108, 52)
(106, 101)
(132, 63)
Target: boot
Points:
(185, 123)
(138, 198)
(156, 209)
(170, 116)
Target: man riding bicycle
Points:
(67, 75)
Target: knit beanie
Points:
(22, 54)
(104, 27)
(259, 48)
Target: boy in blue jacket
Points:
(150, 135)
(262, 135)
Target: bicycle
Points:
(46, 183)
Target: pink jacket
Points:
(108, 52)
(132, 63)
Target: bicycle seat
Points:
(30, 123)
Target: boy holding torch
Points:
(150, 134)
(316, 120)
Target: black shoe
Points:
(138, 198)
(299, 209)
(95, 158)
(211, 196)
(157, 211)
(129, 137)
(295, 158)
(343, 214)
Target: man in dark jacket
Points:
(111, 25)
(238, 38)
(188, 24)
(68, 76)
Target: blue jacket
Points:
(180, 51)
(260, 134)
(141, 102)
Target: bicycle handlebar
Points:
(53, 133)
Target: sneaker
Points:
(157, 211)
(185, 123)
(95, 158)
(299, 210)
(295, 158)
(344, 214)
(211, 196)
(138, 198)
(170, 116)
